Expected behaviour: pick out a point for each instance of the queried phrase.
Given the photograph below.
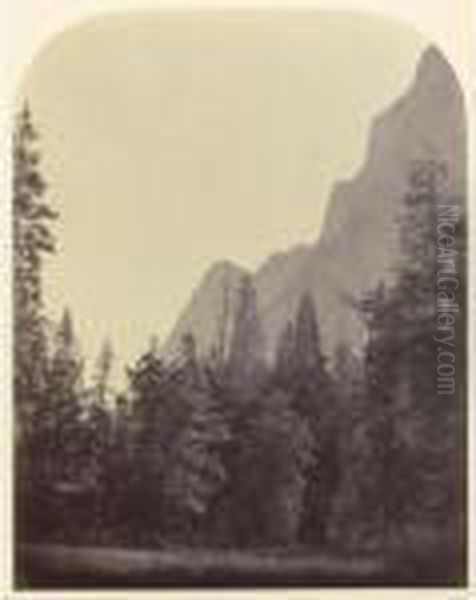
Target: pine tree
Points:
(314, 399)
(309, 358)
(98, 445)
(117, 468)
(411, 359)
(146, 379)
(347, 373)
(154, 422)
(272, 463)
(66, 365)
(246, 356)
(301, 370)
(195, 472)
(403, 446)
(285, 362)
(431, 457)
(64, 390)
(358, 516)
(103, 372)
(33, 241)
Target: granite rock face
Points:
(357, 245)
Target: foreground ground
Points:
(55, 566)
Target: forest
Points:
(358, 452)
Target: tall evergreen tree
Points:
(273, 460)
(405, 445)
(146, 381)
(64, 390)
(65, 377)
(195, 473)
(103, 372)
(315, 400)
(309, 357)
(285, 361)
(301, 371)
(246, 356)
(33, 241)
(431, 498)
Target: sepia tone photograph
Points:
(240, 308)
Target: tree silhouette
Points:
(32, 242)
(246, 356)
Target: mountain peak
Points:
(434, 68)
(433, 57)
(212, 302)
(224, 269)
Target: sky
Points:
(170, 142)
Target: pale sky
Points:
(172, 142)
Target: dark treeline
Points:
(357, 451)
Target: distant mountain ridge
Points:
(358, 242)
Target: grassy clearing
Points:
(45, 565)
